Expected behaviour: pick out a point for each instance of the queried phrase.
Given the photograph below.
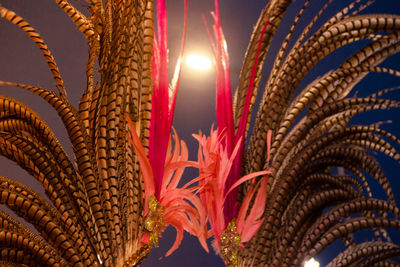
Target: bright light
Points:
(311, 263)
(198, 62)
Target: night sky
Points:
(21, 61)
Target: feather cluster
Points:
(181, 207)
(220, 156)
(164, 163)
(215, 164)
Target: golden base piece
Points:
(230, 241)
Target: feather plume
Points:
(224, 110)
(162, 168)
(182, 208)
(220, 155)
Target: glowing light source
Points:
(311, 263)
(198, 62)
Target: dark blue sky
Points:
(21, 61)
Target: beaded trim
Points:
(138, 256)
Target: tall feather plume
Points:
(162, 167)
(221, 157)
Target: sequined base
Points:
(230, 241)
(155, 222)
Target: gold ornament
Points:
(155, 222)
(230, 241)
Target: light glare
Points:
(311, 263)
(198, 62)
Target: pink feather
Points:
(243, 179)
(244, 207)
(163, 101)
(253, 221)
(178, 67)
(176, 223)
